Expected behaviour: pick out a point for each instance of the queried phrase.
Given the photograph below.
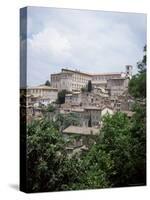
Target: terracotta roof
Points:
(55, 74)
(118, 78)
(92, 74)
(75, 71)
(45, 87)
(99, 82)
(107, 106)
(77, 110)
(87, 74)
(60, 73)
(68, 95)
(129, 113)
(106, 74)
(81, 130)
(78, 92)
(92, 108)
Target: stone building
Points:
(123, 102)
(73, 98)
(71, 80)
(106, 110)
(88, 116)
(79, 138)
(93, 116)
(45, 94)
(100, 80)
(84, 99)
(117, 86)
(74, 80)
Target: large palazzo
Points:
(74, 80)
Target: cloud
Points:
(49, 43)
(91, 41)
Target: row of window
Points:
(94, 117)
(38, 91)
(83, 80)
(104, 77)
(77, 86)
(75, 78)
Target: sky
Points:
(89, 41)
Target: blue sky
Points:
(90, 41)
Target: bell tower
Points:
(129, 71)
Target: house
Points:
(45, 94)
(106, 110)
(79, 138)
(117, 86)
(73, 98)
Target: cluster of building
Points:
(109, 94)
(74, 80)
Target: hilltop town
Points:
(88, 97)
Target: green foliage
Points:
(117, 158)
(138, 143)
(61, 96)
(137, 85)
(83, 89)
(73, 172)
(116, 141)
(50, 108)
(45, 156)
(144, 57)
(90, 122)
(47, 83)
(89, 86)
(137, 88)
(64, 120)
(97, 164)
(48, 166)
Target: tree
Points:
(138, 144)
(47, 83)
(83, 89)
(48, 166)
(116, 141)
(145, 56)
(61, 96)
(137, 88)
(108, 161)
(89, 86)
(90, 122)
(63, 121)
(45, 156)
(50, 108)
(137, 85)
(117, 158)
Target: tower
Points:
(129, 70)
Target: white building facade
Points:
(74, 80)
(45, 94)
(70, 80)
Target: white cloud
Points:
(90, 41)
(49, 42)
